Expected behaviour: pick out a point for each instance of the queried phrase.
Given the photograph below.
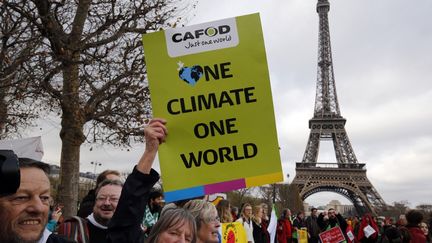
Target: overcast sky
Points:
(382, 59)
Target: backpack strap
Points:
(75, 228)
(83, 229)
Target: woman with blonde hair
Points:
(224, 211)
(246, 220)
(206, 219)
(260, 233)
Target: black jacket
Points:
(53, 238)
(312, 226)
(125, 225)
(330, 223)
(260, 234)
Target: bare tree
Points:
(289, 197)
(268, 193)
(401, 207)
(19, 43)
(94, 73)
(240, 196)
(424, 207)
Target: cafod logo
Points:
(210, 32)
(202, 37)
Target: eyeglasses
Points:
(209, 220)
(110, 199)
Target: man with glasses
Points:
(95, 226)
(88, 202)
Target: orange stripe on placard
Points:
(264, 179)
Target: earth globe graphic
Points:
(191, 75)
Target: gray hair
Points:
(172, 217)
(198, 208)
(107, 182)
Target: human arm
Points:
(57, 213)
(55, 217)
(155, 134)
(125, 225)
(321, 222)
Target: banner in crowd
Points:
(302, 235)
(210, 82)
(232, 233)
(25, 148)
(368, 231)
(333, 235)
(272, 226)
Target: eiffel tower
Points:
(347, 177)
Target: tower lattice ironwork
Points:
(347, 176)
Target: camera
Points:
(9, 173)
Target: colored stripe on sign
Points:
(184, 194)
(225, 186)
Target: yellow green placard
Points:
(211, 83)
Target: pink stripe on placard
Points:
(225, 186)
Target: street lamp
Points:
(95, 163)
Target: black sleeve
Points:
(125, 225)
(320, 222)
(295, 223)
(342, 222)
(54, 238)
(309, 222)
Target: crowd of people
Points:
(410, 228)
(134, 212)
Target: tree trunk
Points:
(72, 137)
(69, 171)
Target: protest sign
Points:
(232, 233)
(333, 235)
(302, 235)
(210, 82)
(368, 231)
(350, 235)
